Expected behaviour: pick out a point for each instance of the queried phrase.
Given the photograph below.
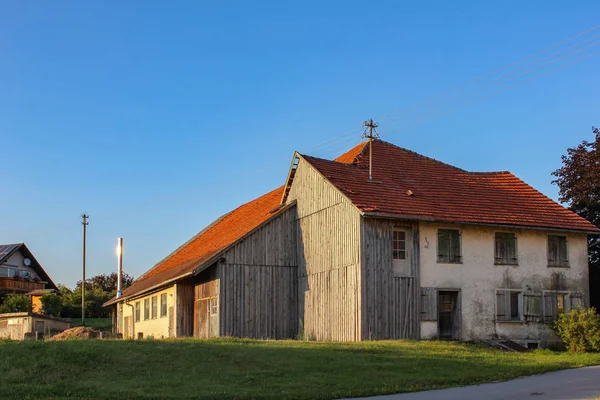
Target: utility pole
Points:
(371, 134)
(84, 221)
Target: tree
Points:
(15, 303)
(52, 304)
(107, 283)
(578, 181)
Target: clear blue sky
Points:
(157, 117)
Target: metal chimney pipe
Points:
(119, 265)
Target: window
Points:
(137, 311)
(214, 306)
(448, 246)
(146, 309)
(399, 245)
(154, 307)
(508, 305)
(163, 305)
(557, 251)
(505, 252)
(556, 302)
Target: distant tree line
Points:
(67, 302)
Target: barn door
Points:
(201, 320)
(206, 317)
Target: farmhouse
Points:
(20, 272)
(419, 250)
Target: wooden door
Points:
(206, 317)
(201, 319)
(448, 322)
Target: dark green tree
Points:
(15, 303)
(578, 181)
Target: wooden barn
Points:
(421, 249)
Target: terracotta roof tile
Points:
(209, 242)
(441, 191)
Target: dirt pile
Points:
(79, 332)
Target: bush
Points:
(15, 303)
(579, 329)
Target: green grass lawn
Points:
(103, 324)
(246, 369)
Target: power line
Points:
(495, 93)
(472, 94)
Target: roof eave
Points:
(508, 225)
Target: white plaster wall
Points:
(16, 262)
(478, 278)
(157, 327)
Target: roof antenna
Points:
(370, 133)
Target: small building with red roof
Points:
(420, 250)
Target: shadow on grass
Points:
(242, 369)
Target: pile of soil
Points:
(79, 332)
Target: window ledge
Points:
(506, 264)
(558, 266)
(449, 262)
(511, 322)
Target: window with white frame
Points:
(137, 311)
(505, 248)
(509, 305)
(214, 306)
(448, 246)
(163, 305)
(154, 307)
(399, 245)
(146, 309)
(558, 255)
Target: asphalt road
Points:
(570, 384)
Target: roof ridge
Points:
(420, 155)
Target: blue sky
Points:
(157, 117)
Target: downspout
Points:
(132, 318)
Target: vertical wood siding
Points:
(390, 304)
(328, 258)
(185, 308)
(258, 282)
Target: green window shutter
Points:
(455, 241)
(552, 250)
(562, 250)
(502, 312)
(443, 246)
(550, 307)
(429, 311)
(512, 249)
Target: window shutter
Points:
(550, 307)
(512, 249)
(498, 253)
(576, 300)
(532, 307)
(443, 246)
(429, 310)
(502, 311)
(562, 250)
(552, 250)
(455, 241)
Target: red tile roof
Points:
(440, 191)
(208, 243)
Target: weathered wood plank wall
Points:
(390, 304)
(258, 281)
(185, 308)
(328, 258)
